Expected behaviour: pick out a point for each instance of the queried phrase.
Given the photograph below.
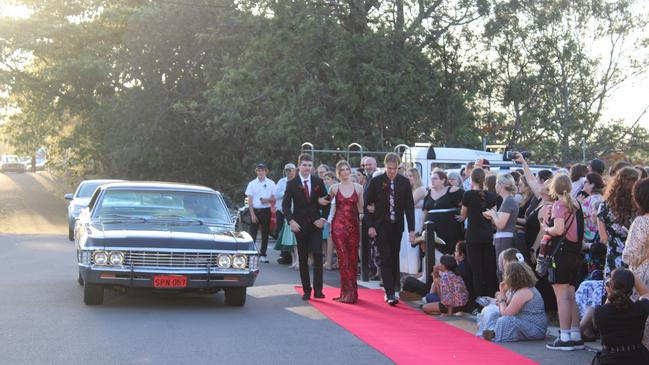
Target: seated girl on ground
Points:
(448, 294)
(519, 316)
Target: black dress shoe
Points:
(306, 296)
(319, 295)
(392, 300)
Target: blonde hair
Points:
(507, 182)
(340, 164)
(416, 177)
(560, 188)
(392, 157)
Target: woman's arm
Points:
(640, 287)
(558, 229)
(517, 302)
(500, 219)
(529, 177)
(634, 249)
(359, 193)
(601, 228)
(464, 212)
(418, 194)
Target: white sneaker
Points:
(263, 259)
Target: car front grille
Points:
(170, 259)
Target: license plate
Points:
(169, 281)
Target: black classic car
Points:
(164, 236)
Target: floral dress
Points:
(617, 234)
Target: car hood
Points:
(163, 236)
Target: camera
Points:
(510, 155)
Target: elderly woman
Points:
(455, 180)
(519, 312)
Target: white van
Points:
(426, 158)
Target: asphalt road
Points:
(44, 321)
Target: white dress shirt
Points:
(308, 182)
(260, 189)
(279, 193)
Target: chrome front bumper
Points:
(142, 277)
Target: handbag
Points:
(545, 266)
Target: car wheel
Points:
(235, 297)
(93, 294)
(79, 279)
(70, 232)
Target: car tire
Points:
(235, 297)
(70, 232)
(93, 294)
(79, 279)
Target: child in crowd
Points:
(466, 273)
(448, 294)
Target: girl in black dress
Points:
(444, 201)
(481, 253)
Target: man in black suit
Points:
(391, 195)
(307, 217)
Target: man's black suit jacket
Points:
(296, 207)
(378, 193)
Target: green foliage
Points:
(200, 91)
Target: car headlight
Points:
(100, 258)
(224, 261)
(116, 258)
(239, 261)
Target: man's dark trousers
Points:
(389, 243)
(263, 221)
(309, 240)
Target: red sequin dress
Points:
(345, 233)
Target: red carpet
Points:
(408, 336)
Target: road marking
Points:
(308, 312)
(268, 291)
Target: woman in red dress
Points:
(345, 230)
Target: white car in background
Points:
(80, 200)
(12, 163)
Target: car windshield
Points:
(170, 205)
(86, 189)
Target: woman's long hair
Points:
(415, 176)
(560, 188)
(619, 195)
(620, 288)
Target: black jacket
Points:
(296, 207)
(378, 194)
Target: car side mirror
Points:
(68, 196)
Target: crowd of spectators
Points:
(588, 225)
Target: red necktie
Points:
(306, 189)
